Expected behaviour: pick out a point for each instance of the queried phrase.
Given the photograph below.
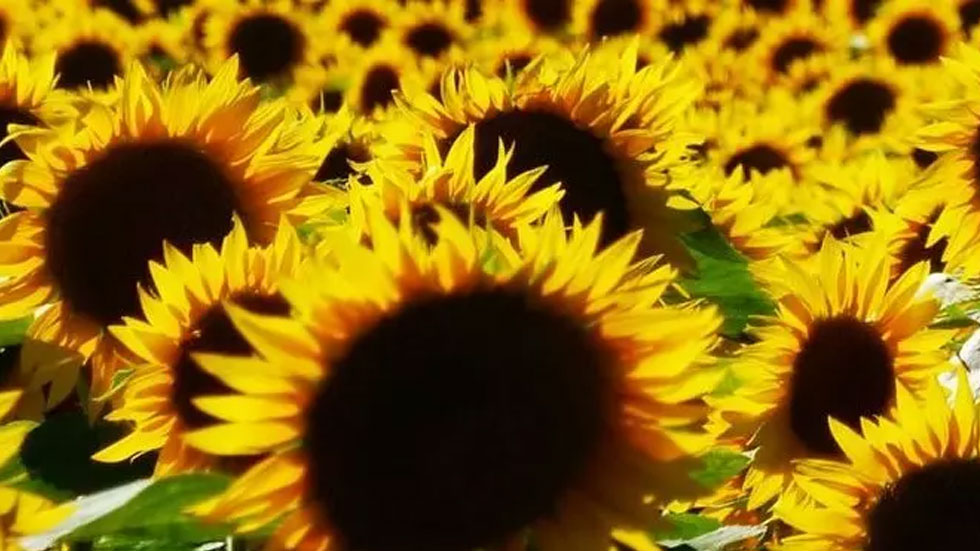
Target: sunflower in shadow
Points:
(567, 401)
(183, 313)
(172, 162)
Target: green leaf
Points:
(722, 276)
(684, 526)
(58, 453)
(718, 466)
(159, 513)
(12, 331)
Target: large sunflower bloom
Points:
(170, 162)
(842, 341)
(537, 396)
(186, 315)
(910, 480)
(608, 134)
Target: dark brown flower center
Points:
(513, 63)
(760, 158)
(741, 39)
(166, 8)
(363, 27)
(864, 10)
(855, 224)
(379, 87)
(768, 6)
(844, 370)
(691, 30)
(456, 422)
(932, 507)
(425, 217)
(87, 63)
(215, 333)
(337, 164)
(924, 159)
(329, 100)
(267, 45)
(575, 157)
(916, 39)
(794, 49)
(429, 39)
(13, 115)
(915, 249)
(123, 8)
(111, 218)
(969, 15)
(549, 15)
(862, 105)
(612, 17)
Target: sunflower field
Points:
(489, 275)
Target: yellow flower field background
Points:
(502, 275)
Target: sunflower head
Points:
(844, 341)
(184, 313)
(92, 48)
(905, 480)
(271, 40)
(551, 437)
(594, 125)
(913, 33)
(203, 151)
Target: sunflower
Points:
(607, 133)
(538, 17)
(842, 341)
(201, 151)
(956, 172)
(18, 22)
(343, 146)
(969, 12)
(494, 201)
(91, 48)
(907, 481)
(721, 59)
(682, 27)
(790, 51)
(777, 8)
(739, 209)
(568, 399)
(184, 314)
(597, 19)
(362, 22)
(163, 45)
(861, 194)
(27, 96)
(432, 30)
(768, 141)
(510, 52)
(271, 39)
(915, 33)
(380, 73)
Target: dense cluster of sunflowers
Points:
(448, 275)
